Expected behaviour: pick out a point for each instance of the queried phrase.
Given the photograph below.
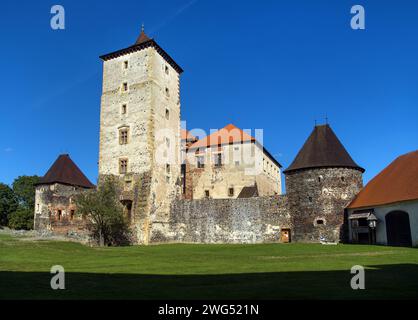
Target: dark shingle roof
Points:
(65, 171)
(322, 149)
(141, 43)
(249, 192)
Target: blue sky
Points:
(275, 65)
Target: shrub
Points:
(104, 213)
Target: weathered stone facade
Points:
(248, 220)
(244, 164)
(316, 200)
(141, 97)
(55, 210)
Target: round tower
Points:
(320, 183)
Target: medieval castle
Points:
(176, 187)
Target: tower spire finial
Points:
(142, 27)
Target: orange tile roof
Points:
(226, 135)
(397, 182)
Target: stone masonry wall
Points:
(248, 220)
(316, 195)
(54, 205)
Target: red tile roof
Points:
(186, 135)
(65, 171)
(397, 182)
(227, 135)
(230, 134)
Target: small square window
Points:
(231, 192)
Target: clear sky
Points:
(274, 65)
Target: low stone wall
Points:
(250, 220)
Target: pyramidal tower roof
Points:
(323, 149)
(142, 37)
(65, 171)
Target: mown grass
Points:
(190, 271)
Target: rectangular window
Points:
(123, 166)
(59, 215)
(125, 64)
(125, 86)
(167, 114)
(167, 142)
(124, 109)
(166, 69)
(218, 160)
(123, 136)
(167, 168)
(200, 162)
(167, 92)
(231, 192)
(206, 193)
(71, 214)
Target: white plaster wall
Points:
(411, 207)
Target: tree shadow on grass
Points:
(382, 282)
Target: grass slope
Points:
(189, 271)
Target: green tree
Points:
(104, 213)
(21, 219)
(24, 189)
(8, 203)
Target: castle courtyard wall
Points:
(247, 220)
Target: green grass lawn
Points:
(189, 271)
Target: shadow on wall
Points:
(382, 282)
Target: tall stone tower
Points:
(320, 183)
(140, 133)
